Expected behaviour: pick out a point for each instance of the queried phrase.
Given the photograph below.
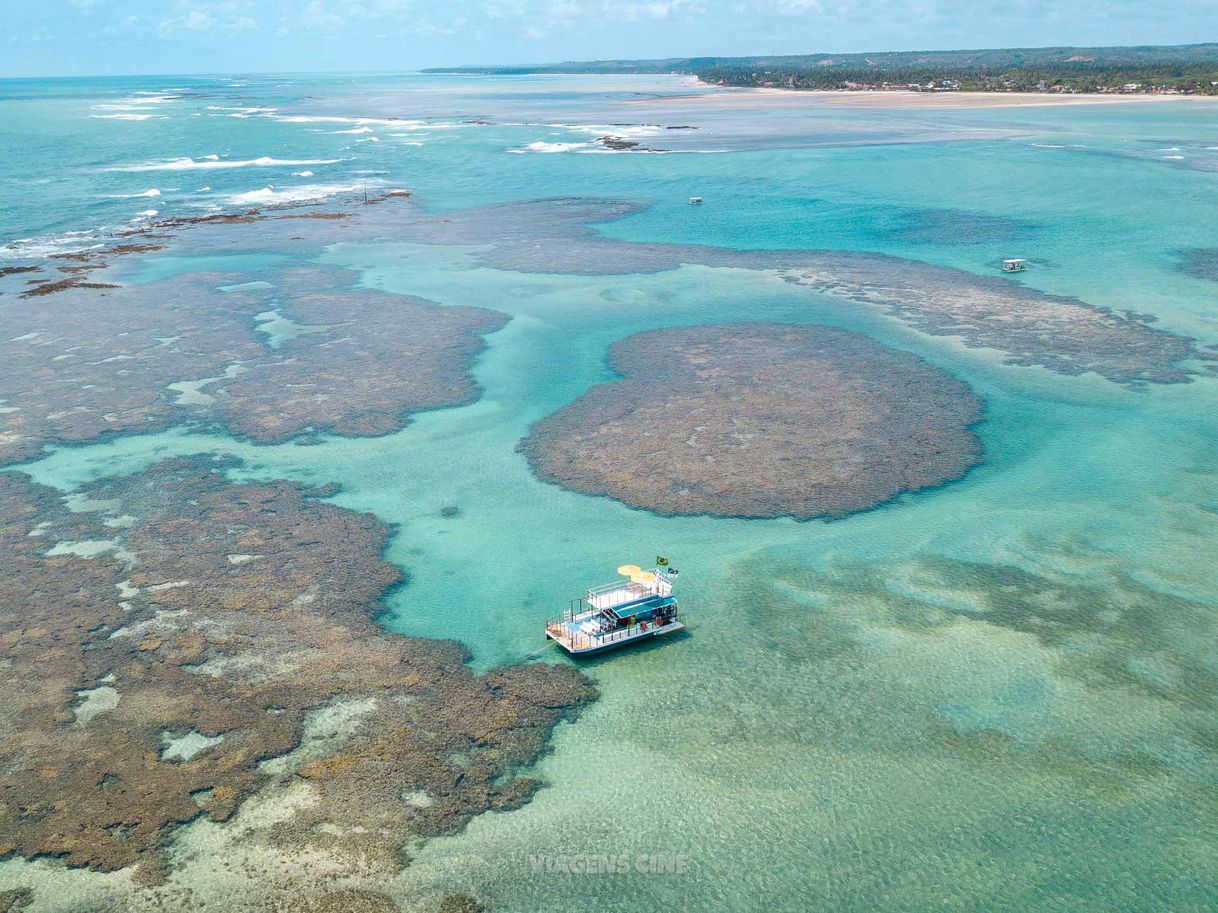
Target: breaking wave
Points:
(215, 162)
(304, 193)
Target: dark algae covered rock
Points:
(86, 366)
(760, 420)
(169, 650)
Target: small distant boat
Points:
(634, 609)
(1014, 265)
(695, 201)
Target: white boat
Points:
(1014, 265)
(639, 607)
(695, 201)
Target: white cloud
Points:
(200, 16)
(315, 15)
(799, 7)
(650, 9)
(504, 9)
(539, 18)
(330, 14)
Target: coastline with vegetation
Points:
(1180, 70)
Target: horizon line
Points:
(597, 60)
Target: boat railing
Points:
(608, 588)
(660, 586)
(577, 607)
(578, 640)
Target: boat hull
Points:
(594, 647)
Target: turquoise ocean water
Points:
(998, 695)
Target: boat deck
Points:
(596, 629)
(619, 594)
(579, 641)
(616, 614)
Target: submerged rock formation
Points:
(83, 366)
(94, 361)
(176, 642)
(1031, 327)
(760, 420)
(1199, 262)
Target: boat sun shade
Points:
(641, 609)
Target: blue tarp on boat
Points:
(642, 609)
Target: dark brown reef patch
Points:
(176, 671)
(1028, 326)
(82, 366)
(1199, 262)
(760, 420)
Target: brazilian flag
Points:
(661, 561)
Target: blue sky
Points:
(87, 37)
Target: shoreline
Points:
(900, 98)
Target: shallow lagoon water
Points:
(995, 695)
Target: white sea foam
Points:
(302, 174)
(135, 196)
(545, 147)
(625, 131)
(304, 193)
(215, 162)
(596, 149)
(228, 111)
(363, 121)
(49, 245)
(353, 130)
(134, 102)
(129, 116)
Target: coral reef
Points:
(83, 366)
(1031, 327)
(1200, 262)
(367, 360)
(94, 361)
(760, 420)
(177, 642)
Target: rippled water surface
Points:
(997, 695)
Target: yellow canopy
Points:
(643, 577)
(629, 570)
